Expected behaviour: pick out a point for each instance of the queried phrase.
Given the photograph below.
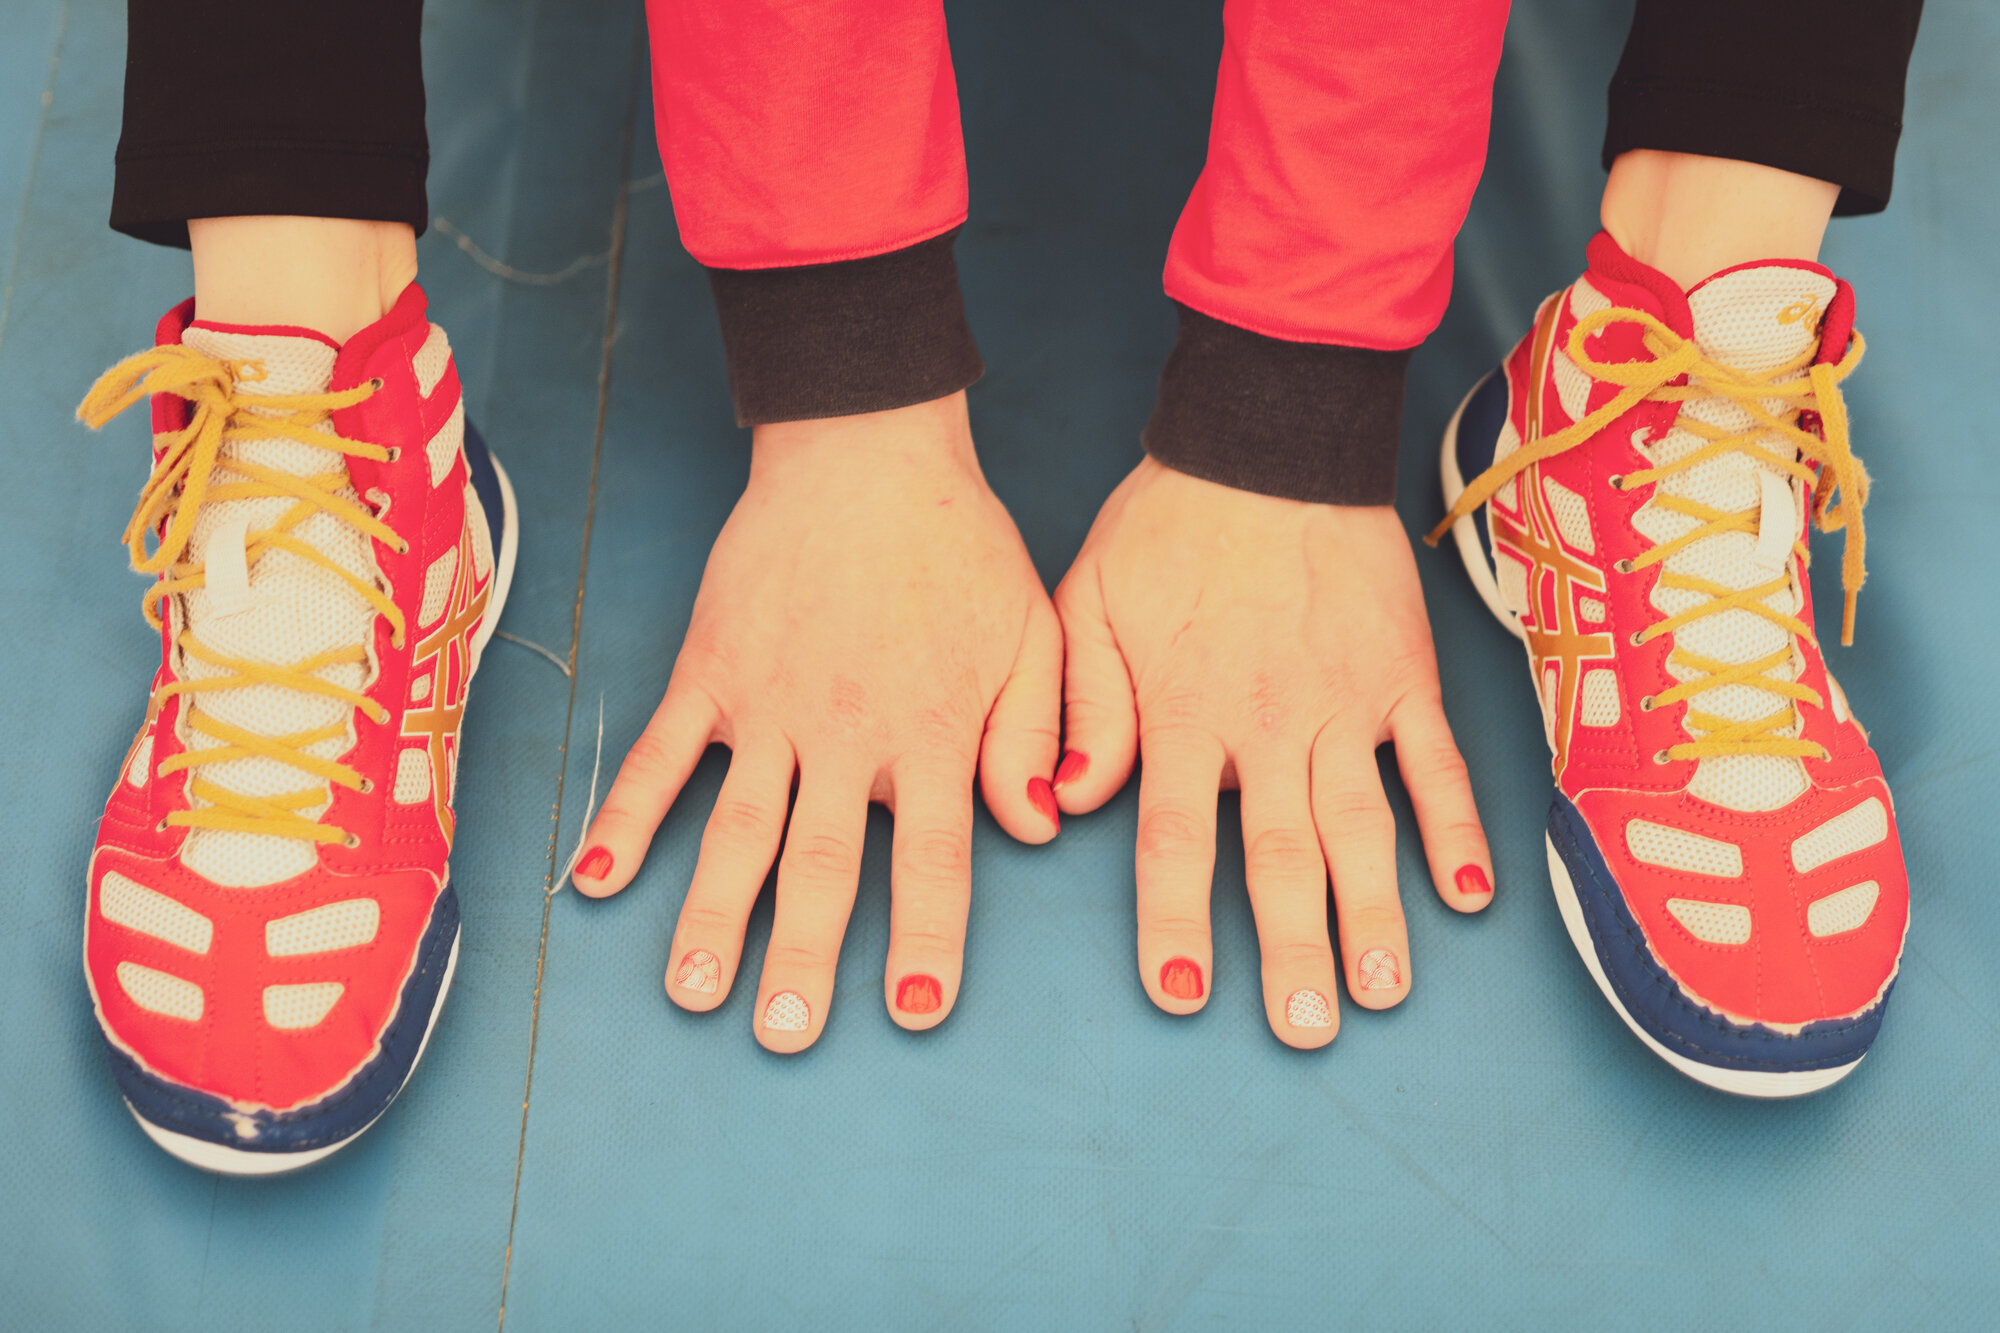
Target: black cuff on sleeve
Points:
(1831, 108)
(1303, 421)
(833, 340)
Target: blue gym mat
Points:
(579, 1153)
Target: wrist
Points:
(922, 436)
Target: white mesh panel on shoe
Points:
(1572, 384)
(342, 925)
(1591, 610)
(1599, 698)
(1841, 712)
(141, 766)
(413, 777)
(437, 587)
(160, 993)
(482, 536)
(1677, 849)
(444, 447)
(1572, 515)
(1845, 834)
(1514, 583)
(431, 360)
(128, 903)
(1838, 913)
(420, 688)
(1712, 923)
(301, 610)
(301, 1006)
(1748, 320)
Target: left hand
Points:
(1243, 640)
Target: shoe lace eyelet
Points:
(1662, 757)
(395, 452)
(161, 827)
(1646, 704)
(376, 383)
(1638, 639)
(351, 841)
(1616, 481)
(1622, 566)
(367, 786)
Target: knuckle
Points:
(1292, 957)
(738, 823)
(936, 856)
(1171, 833)
(1371, 921)
(929, 940)
(1283, 855)
(1176, 925)
(1349, 813)
(824, 856)
(789, 958)
(649, 759)
(702, 920)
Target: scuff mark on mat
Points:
(507, 272)
(589, 806)
(534, 647)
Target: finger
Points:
(737, 848)
(816, 881)
(1441, 792)
(1358, 834)
(654, 771)
(1175, 864)
(1286, 871)
(930, 889)
(1018, 755)
(1100, 719)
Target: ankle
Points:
(335, 276)
(1691, 216)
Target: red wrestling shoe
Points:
(271, 926)
(1722, 842)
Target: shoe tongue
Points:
(1760, 315)
(281, 610)
(272, 364)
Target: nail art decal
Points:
(919, 994)
(1181, 978)
(1075, 763)
(596, 863)
(787, 1011)
(700, 971)
(1043, 798)
(1308, 1009)
(1379, 970)
(1471, 881)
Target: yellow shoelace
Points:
(1818, 391)
(190, 473)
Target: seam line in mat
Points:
(34, 168)
(616, 263)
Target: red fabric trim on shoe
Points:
(265, 331)
(350, 365)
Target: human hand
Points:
(870, 621)
(1242, 640)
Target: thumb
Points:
(1100, 720)
(1018, 754)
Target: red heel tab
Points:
(410, 311)
(167, 333)
(1836, 326)
(1620, 277)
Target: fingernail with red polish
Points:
(700, 971)
(919, 994)
(596, 863)
(1043, 798)
(1471, 880)
(787, 1011)
(1075, 763)
(1181, 978)
(1379, 969)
